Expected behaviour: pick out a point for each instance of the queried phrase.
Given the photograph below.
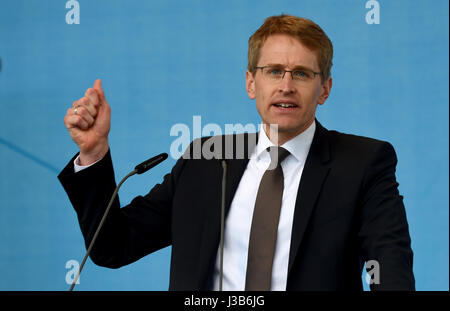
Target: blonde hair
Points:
(305, 30)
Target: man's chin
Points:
(287, 130)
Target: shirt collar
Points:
(297, 146)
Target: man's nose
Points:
(286, 85)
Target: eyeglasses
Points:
(276, 74)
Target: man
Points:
(305, 209)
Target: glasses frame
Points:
(290, 71)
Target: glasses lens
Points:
(273, 73)
(302, 75)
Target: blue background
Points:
(161, 63)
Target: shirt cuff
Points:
(77, 167)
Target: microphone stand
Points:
(222, 222)
(99, 227)
(139, 169)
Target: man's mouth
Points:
(285, 104)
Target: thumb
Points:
(98, 87)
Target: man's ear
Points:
(325, 91)
(250, 84)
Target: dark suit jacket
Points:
(348, 211)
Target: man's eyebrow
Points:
(302, 67)
(297, 67)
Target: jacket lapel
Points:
(313, 176)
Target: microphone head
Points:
(146, 165)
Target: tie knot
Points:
(277, 155)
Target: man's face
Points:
(303, 96)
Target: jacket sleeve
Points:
(129, 233)
(383, 233)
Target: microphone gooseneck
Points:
(222, 222)
(139, 169)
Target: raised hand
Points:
(89, 122)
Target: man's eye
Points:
(274, 71)
(301, 74)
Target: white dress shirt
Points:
(240, 215)
(239, 219)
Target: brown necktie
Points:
(263, 234)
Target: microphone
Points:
(139, 169)
(233, 147)
(222, 222)
(146, 165)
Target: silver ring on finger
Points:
(75, 110)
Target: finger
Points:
(84, 113)
(85, 102)
(78, 117)
(93, 96)
(72, 120)
(98, 87)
